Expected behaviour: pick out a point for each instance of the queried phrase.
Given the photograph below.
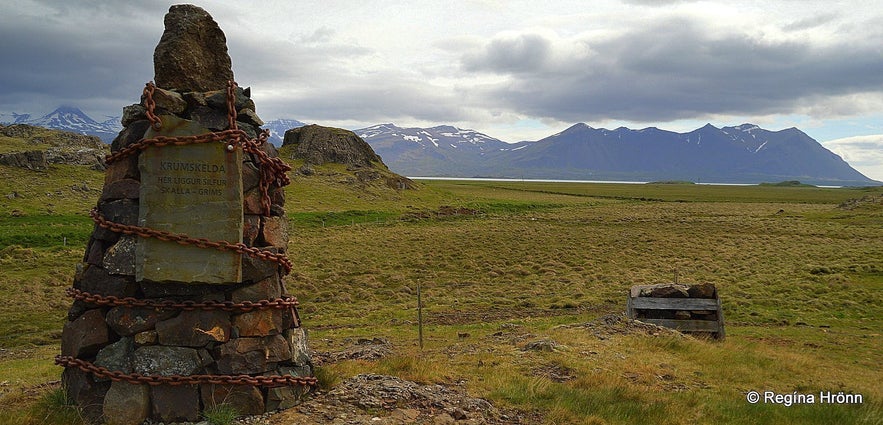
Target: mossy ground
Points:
(799, 278)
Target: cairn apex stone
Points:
(192, 52)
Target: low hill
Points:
(317, 151)
(33, 148)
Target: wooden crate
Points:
(639, 307)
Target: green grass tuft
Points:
(220, 414)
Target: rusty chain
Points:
(231, 105)
(273, 170)
(182, 239)
(243, 306)
(150, 104)
(174, 380)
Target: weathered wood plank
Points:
(649, 303)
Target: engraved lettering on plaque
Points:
(194, 189)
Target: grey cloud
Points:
(811, 22)
(675, 69)
(524, 53)
(369, 98)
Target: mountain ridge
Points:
(744, 153)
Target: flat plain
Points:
(503, 264)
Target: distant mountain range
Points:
(69, 118)
(739, 154)
(279, 127)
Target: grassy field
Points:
(800, 280)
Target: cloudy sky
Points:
(513, 70)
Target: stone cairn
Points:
(168, 319)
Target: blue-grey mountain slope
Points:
(69, 118)
(740, 154)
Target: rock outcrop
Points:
(317, 145)
(30, 160)
(192, 53)
(45, 146)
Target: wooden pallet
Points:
(638, 305)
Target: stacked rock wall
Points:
(152, 341)
(128, 341)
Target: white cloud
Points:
(864, 153)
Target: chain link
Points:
(273, 171)
(151, 106)
(175, 380)
(244, 306)
(182, 239)
(231, 104)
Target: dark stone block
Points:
(131, 134)
(77, 308)
(212, 119)
(116, 356)
(250, 131)
(266, 289)
(249, 116)
(123, 211)
(94, 253)
(281, 398)
(192, 52)
(251, 229)
(258, 323)
(251, 176)
(85, 392)
(218, 99)
(702, 290)
(175, 403)
(247, 400)
(126, 404)
(132, 113)
(121, 189)
(119, 259)
(160, 360)
(274, 232)
(252, 202)
(251, 355)
(96, 280)
(194, 99)
(168, 101)
(106, 235)
(128, 321)
(84, 336)
(258, 269)
(277, 199)
(194, 328)
(125, 168)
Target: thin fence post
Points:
(419, 317)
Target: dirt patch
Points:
(617, 324)
(364, 349)
(867, 201)
(384, 400)
(554, 372)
